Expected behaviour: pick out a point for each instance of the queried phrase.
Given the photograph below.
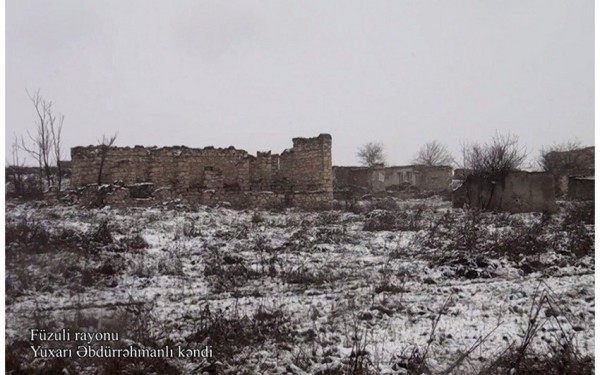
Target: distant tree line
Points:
(492, 160)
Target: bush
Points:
(379, 220)
(31, 236)
(136, 242)
(304, 276)
(134, 322)
(526, 240)
(579, 241)
(579, 213)
(225, 275)
(102, 234)
(388, 204)
(230, 331)
(410, 220)
(562, 356)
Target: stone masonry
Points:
(379, 178)
(566, 164)
(518, 191)
(300, 176)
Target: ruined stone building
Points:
(300, 176)
(573, 171)
(581, 188)
(518, 191)
(379, 179)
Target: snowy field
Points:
(386, 287)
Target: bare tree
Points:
(39, 144)
(15, 173)
(433, 154)
(494, 159)
(371, 154)
(45, 143)
(104, 144)
(56, 124)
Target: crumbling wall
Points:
(177, 167)
(433, 178)
(578, 162)
(212, 175)
(462, 173)
(565, 164)
(262, 171)
(516, 192)
(581, 188)
(376, 179)
(355, 177)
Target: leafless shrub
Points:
(191, 229)
(388, 204)
(226, 275)
(102, 234)
(371, 154)
(171, 260)
(467, 242)
(135, 323)
(257, 218)
(579, 241)
(29, 235)
(379, 220)
(360, 362)
(524, 240)
(416, 361)
(104, 145)
(354, 206)
(332, 235)
(438, 228)
(328, 218)
(468, 232)
(412, 362)
(494, 159)
(306, 276)
(136, 242)
(386, 283)
(23, 185)
(410, 220)
(562, 357)
(229, 331)
(18, 361)
(579, 212)
(141, 267)
(433, 154)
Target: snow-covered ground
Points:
(300, 292)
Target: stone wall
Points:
(462, 173)
(212, 175)
(423, 177)
(378, 179)
(565, 164)
(517, 192)
(352, 177)
(578, 162)
(581, 188)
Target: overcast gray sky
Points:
(254, 74)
